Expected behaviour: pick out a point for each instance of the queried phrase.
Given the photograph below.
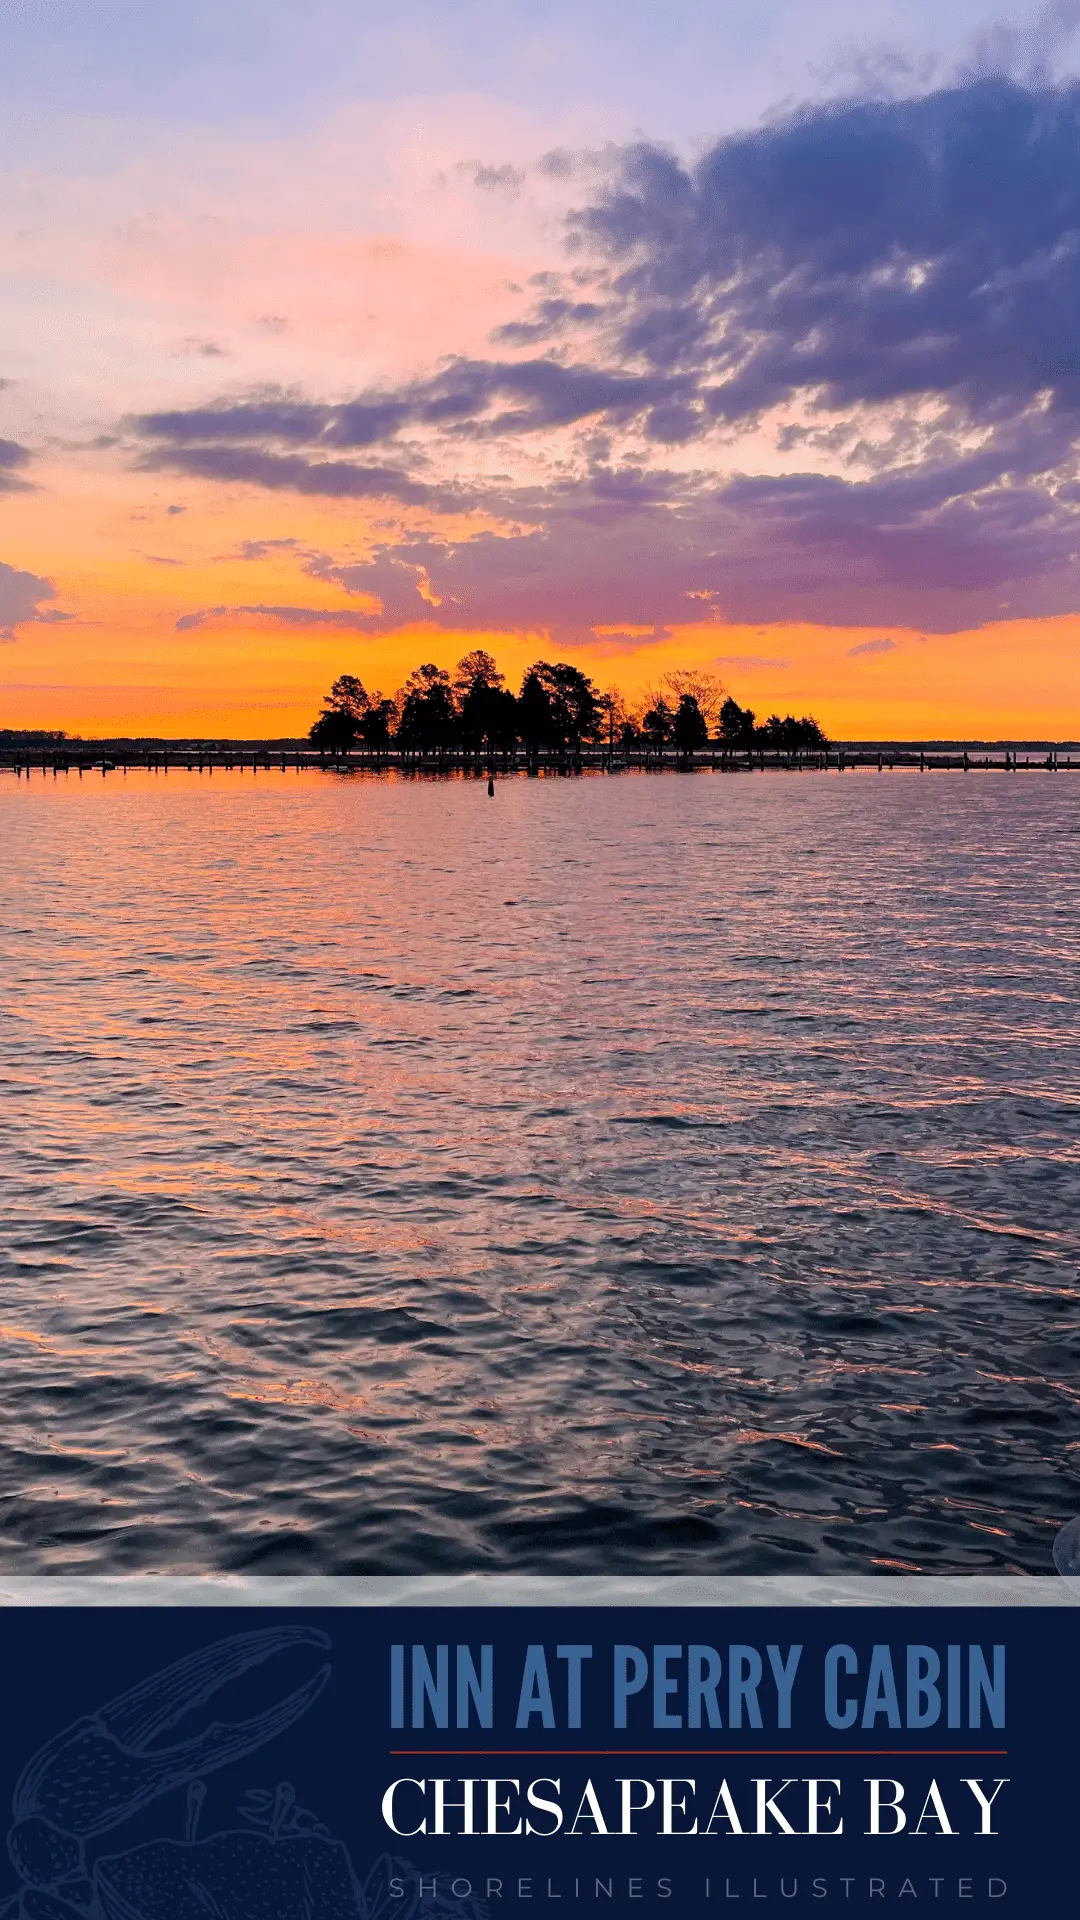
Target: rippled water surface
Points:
(649, 1172)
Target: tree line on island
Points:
(557, 711)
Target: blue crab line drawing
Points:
(103, 1769)
(289, 1868)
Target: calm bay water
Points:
(654, 1172)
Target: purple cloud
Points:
(549, 317)
(529, 395)
(254, 466)
(619, 550)
(11, 457)
(21, 595)
(258, 549)
(862, 252)
(920, 256)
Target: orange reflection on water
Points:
(338, 1188)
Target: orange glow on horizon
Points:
(130, 569)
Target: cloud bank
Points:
(830, 372)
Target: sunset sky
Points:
(734, 333)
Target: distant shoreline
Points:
(34, 739)
(162, 756)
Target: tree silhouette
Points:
(577, 708)
(614, 715)
(689, 730)
(657, 725)
(428, 723)
(348, 695)
(557, 711)
(339, 725)
(705, 689)
(536, 723)
(487, 712)
(476, 669)
(558, 708)
(736, 724)
(814, 738)
(333, 733)
(500, 719)
(374, 728)
(790, 735)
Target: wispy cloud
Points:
(746, 662)
(258, 549)
(203, 349)
(504, 179)
(343, 618)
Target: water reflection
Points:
(646, 1173)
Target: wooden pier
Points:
(90, 757)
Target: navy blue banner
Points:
(376, 1764)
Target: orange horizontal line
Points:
(699, 1753)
